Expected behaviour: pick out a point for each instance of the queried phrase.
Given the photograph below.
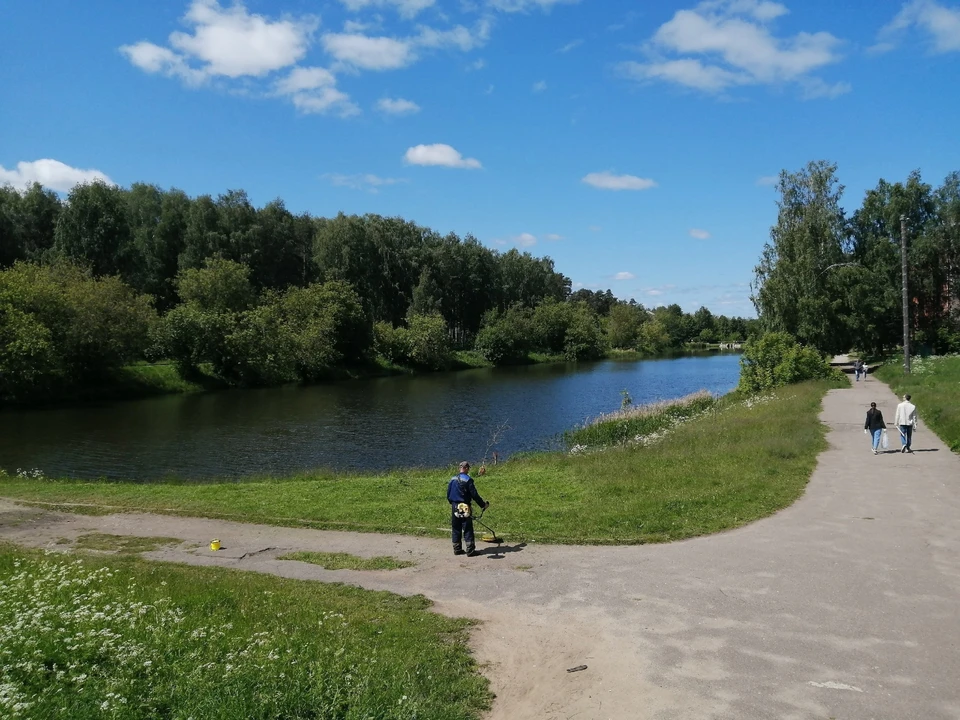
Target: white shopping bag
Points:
(884, 443)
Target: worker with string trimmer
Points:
(461, 492)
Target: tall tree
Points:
(794, 288)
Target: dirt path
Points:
(845, 605)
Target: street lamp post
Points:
(906, 297)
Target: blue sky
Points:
(633, 142)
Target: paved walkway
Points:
(846, 605)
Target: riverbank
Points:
(934, 386)
(145, 379)
(742, 460)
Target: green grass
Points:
(740, 462)
(346, 561)
(122, 543)
(638, 423)
(118, 637)
(934, 386)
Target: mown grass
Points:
(934, 387)
(122, 543)
(346, 561)
(121, 638)
(743, 460)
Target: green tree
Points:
(794, 288)
(93, 229)
(777, 359)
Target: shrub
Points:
(505, 339)
(778, 359)
(584, 340)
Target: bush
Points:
(584, 340)
(429, 342)
(778, 359)
(505, 339)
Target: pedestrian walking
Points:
(874, 425)
(906, 420)
(858, 369)
(461, 492)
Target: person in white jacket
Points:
(906, 420)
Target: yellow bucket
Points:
(214, 544)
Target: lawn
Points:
(739, 460)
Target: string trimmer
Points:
(490, 537)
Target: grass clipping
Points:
(346, 561)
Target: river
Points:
(372, 425)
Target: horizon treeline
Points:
(833, 280)
(112, 275)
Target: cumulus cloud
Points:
(653, 292)
(439, 155)
(369, 53)
(540, 86)
(768, 181)
(699, 234)
(397, 106)
(609, 181)
(525, 239)
(51, 174)
(940, 23)
(228, 42)
(366, 182)
(406, 8)
(570, 46)
(313, 90)
(722, 44)
(624, 276)
(553, 237)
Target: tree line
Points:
(833, 280)
(111, 275)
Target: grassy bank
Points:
(934, 385)
(122, 638)
(741, 461)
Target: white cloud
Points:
(313, 90)
(52, 174)
(458, 36)
(369, 53)
(721, 44)
(540, 86)
(228, 42)
(406, 8)
(699, 234)
(397, 106)
(526, 5)
(768, 181)
(570, 46)
(478, 64)
(624, 276)
(525, 240)
(940, 22)
(553, 237)
(367, 182)
(654, 292)
(439, 155)
(609, 181)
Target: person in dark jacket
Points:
(874, 425)
(461, 492)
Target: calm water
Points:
(428, 420)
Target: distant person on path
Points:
(874, 425)
(858, 369)
(461, 492)
(906, 420)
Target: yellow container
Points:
(214, 544)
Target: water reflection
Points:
(376, 424)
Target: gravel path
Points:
(845, 605)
